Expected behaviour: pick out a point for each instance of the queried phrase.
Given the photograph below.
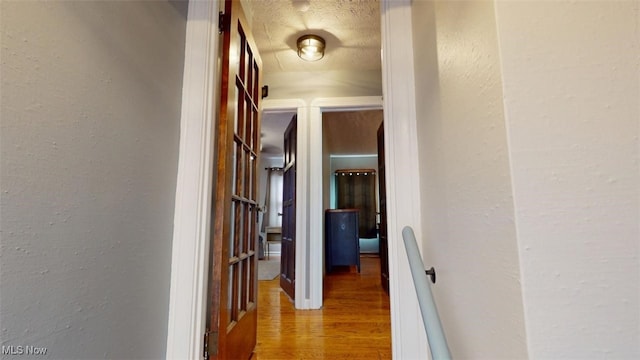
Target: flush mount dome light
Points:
(310, 47)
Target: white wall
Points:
(90, 111)
(469, 234)
(571, 83)
(567, 76)
(323, 84)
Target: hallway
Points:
(353, 324)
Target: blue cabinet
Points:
(342, 247)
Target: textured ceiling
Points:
(351, 29)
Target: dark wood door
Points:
(384, 248)
(233, 286)
(288, 249)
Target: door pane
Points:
(241, 55)
(240, 282)
(240, 109)
(239, 229)
(234, 170)
(249, 82)
(232, 229)
(239, 166)
(230, 294)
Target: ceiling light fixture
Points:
(311, 47)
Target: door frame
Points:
(194, 188)
(408, 337)
(316, 208)
(190, 248)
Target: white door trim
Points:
(316, 210)
(302, 276)
(190, 248)
(403, 177)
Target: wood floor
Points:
(354, 322)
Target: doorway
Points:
(359, 290)
(318, 193)
(271, 166)
(351, 180)
(310, 188)
(350, 162)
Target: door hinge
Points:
(223, 22)
(210, 344)
(205, 351)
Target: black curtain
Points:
(356, 190)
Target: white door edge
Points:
(190, 247)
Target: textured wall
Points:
(90, 110)
(468, 226)
(571, 85)
(321, 84)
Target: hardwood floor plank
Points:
(354, 322)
